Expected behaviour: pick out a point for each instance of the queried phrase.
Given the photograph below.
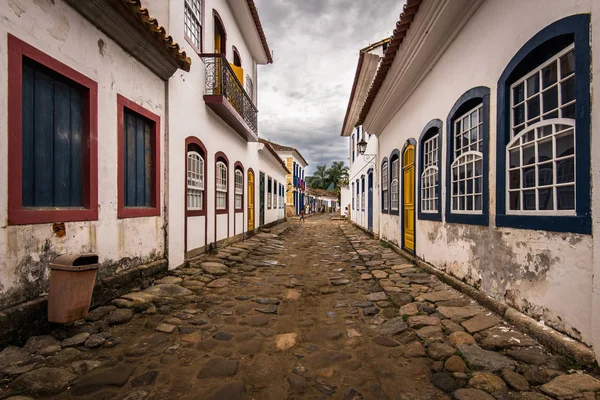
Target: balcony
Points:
(225, 95)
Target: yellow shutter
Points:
(239, 72)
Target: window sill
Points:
(468, 219)
(223, 211)
(574, 224)
(42, 216)
(137, 212)
(238, 210)
(394, 212)
(195, 213)
(430, 216)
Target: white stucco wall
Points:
(274, 170)
(359, 167)
(59, 31)
(545, 274)
(190, 117)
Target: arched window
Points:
(430, 161)
(237, 60)
(543, 161)
(384, 187)
(395, 182)
(219, 34)
(239, 189)
(221, 184)
(468, 127)
(195, 180)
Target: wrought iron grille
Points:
(221, 80)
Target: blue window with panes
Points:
(52, 139)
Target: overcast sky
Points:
(303, 95)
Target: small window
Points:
(362, 195)
(269, 195)
(192, 23)
(353, 195)
(195, 181)
(139, 173)
(239, 189)
(221, 186)
(384, 186)
(394, 185)
(274, 194)
(467, 167)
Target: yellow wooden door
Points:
(250, 201)
(408, 202)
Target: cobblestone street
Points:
(313, 309)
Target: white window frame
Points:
(532, 136)
(384, 184)
(193, 15)
(558, 84)
(239, 189)
(430, 176)
(269, 190)
(465, 155)
(394, 185)
(195, 181)
(221, 186)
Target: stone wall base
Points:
(19, 322)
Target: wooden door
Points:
(250, 200)
(408, 200)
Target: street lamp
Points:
(362, 146)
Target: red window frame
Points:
(238, 166)
(17, 215)
(220, 156)
(135, 212)
(190, 140)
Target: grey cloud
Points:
(304, 94)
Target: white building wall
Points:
(361, 165)
(60, 32)
(191, 117)
(274, 170)
(547, 275)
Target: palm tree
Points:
(319, 179)
(337, 176)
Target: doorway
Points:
(250, 201)
(408, 198)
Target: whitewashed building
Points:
(213, 149)
(83, 116)
(487, 107)
(361, 196)
(295, 185)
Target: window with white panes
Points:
(192, 22)
(394, 188)
(274, 193)
(467, 167)
(269, 195)
(195, 181)
(221, 185)
(384, 185)
(540, 157)
(430, 175)
(239, 189)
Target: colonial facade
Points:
(82, 136)
(215, 176)
(361, 195)
(295, 184)
(489, 168)
(138, 149)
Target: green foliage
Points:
(332, 178)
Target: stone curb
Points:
(556, 341)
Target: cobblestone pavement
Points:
(318, 311)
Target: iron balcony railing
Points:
(221, 80)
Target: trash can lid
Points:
(75, 262)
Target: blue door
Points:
(370, 202)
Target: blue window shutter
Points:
(52, 153)
(138, 160)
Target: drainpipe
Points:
(166, 175)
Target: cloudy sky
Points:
(303, 95)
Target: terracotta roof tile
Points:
(402, 26)
(159, 32)
(259, 28)
(279, 147)
(269, 146)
